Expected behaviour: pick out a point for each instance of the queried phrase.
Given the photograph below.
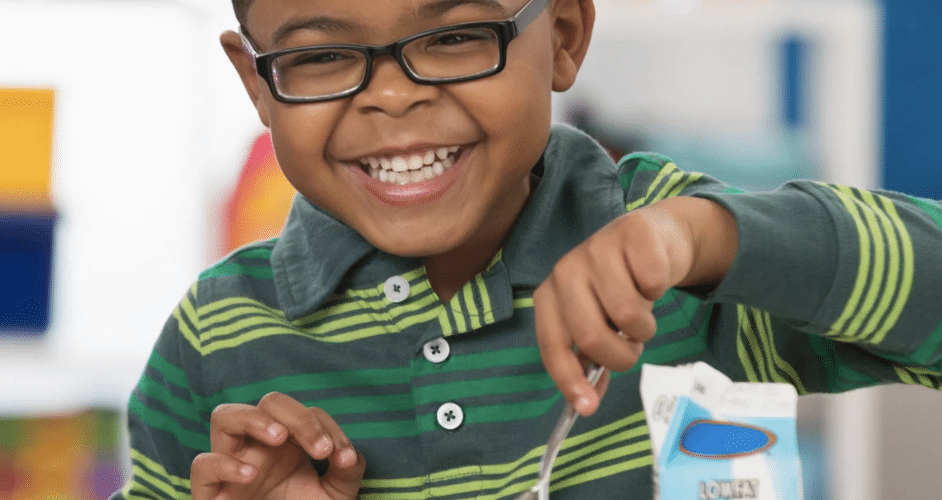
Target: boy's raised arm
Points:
(826, 287)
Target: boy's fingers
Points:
(310, 428)
(230, 424)
(622, 304)
(588, 326)
(344, 473)
(210, 472)
(560, 360)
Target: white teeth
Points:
(417, 167)
(399, 164)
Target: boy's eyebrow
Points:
(336, 25)
(436, 9)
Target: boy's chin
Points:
(416, 245)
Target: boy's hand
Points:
(609, 283)
(261, 452)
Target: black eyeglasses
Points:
(449, 54)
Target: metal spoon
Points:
(540, 490)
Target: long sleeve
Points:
(167, 421)
(832, 288)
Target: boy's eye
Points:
(316, 57)
(463, 39)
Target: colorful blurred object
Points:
(261, 201)
(27, 217)
(73, 457)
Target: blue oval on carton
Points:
(724, 440)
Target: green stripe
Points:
(876, 285)
(444, 322)
(253, 252)
(776, 362)
(156, 468)
(161, 393)
(157, 420)
(692, 177)
(170, 372)
(507, 476)
(161, 489)
(185, 330)
(483, 387)
(523, 302)
(663, 171)
(764, 339)
(863, 267)
(473, 314)
(926, 352)
(905, 285)
(373, 298)
(238, 268)
(393, 429)
(520, 410)
(349, 405)
(933, 210)
(485, 300)
(745, 361)
(893, 271)
(517, 356)
(611, 470)
(209, 334)
(745, 330)
(675, 179)
(374, 377)
(457, 313)
(136, 489)
(644, 165)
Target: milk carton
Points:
(714, 439)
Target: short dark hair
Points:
(241, 7)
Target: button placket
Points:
(396, 289)
(436, 351)
(450, 416)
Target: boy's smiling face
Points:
(492, 129)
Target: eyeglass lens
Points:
(443, 55)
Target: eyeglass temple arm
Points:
(527, 14)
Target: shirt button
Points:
(396, 289)
(450, 416)
(437, 350)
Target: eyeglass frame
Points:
(506, 30)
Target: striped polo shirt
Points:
(451, 400)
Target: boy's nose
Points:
(391, 91)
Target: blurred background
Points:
(130, 160)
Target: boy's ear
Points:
(232, 44)
(572, 29)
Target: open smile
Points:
(413, 167)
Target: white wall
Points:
(151, 123)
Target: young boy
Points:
(409, 334)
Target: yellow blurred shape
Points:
(25, 146)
